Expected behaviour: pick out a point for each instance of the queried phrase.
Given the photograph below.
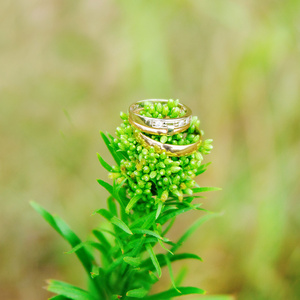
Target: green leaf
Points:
(107, 186)
(101, 238)
(171, 272)
(121, 198)
(114, 220)
(68, 290)
(153, 277)
(134, 242)
(97, 246)
(118, 261)
(194, 226)
(59, 297)
(137, 293)
(112, 206)
(104, 213)
(202, 168)
(76, 248)
(112, 151)
(174, 293)
(64, 230)
(144, 222)
(159, 208)
(162, 262)
(205, 189)
(148, 232)
(181, 275)
(138, 246)
(169, 226)
(133, 261)
(175, 212)
(153, 259)
(132, 202)
(104, 163)
(165, 248)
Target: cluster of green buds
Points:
(152, 177)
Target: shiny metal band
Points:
(171, 150)
(156, 126)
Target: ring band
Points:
(156, 126)
(171, 150)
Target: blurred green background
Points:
(69, 67)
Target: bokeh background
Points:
(69, 67)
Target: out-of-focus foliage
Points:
(69, 67)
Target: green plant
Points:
(148, 192)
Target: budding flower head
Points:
(149, 174)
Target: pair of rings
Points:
(166, 126)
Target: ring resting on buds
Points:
(162, 126)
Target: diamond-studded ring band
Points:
(156, 126)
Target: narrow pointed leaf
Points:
(68, 290)
(164, 247)
(148, 232)
(153, 259)
(162, 262)
(98, 246)
(116, 221)
(132, 202)
(181, 275)
(104, 163)
(114, 154)
(169, 226)
(137, 293)
(133, 261)
(174, 293)
(121, 198)
(175, 212)
(159, 208)
(194, 226)
(113, 219)
(202, 168)
(104, 213)
(205, 189)
(171, 273)
(101, 238)
(112, 206)
(64, 230)
(153, 277)
(107, 186)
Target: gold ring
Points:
(171, 150)
(156, 126)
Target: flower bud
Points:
(146, 169)
(188, 191)
(163, 139)
(139, 191)
(171, 103)
(165, 110)
(123, 116)
(164, 196)
(165, 181)
(175, 169)
(153, 174)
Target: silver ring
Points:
(156, 126)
